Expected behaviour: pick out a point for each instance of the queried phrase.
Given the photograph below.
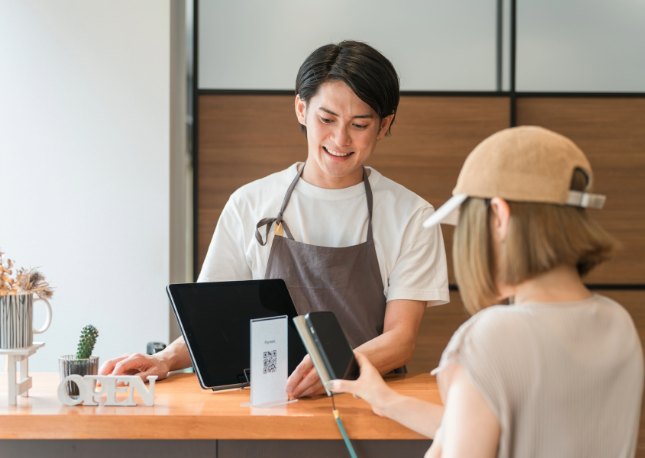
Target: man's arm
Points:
(389, 351)
(394, 348)
(172, 358)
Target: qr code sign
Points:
(270, 361)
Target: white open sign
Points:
(87, 394)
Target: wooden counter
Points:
(183, 410)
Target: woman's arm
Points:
(420, 416)
(469, 428)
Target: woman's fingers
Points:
(346, 386)
(363, 362)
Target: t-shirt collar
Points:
(332, 194)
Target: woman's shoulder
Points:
(503, 328)
(490, 329)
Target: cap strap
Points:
(585, 199)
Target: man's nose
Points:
(341, 136)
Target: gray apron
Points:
(343, 280)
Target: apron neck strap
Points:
(287, 196)
(370, 204)
(278, 220)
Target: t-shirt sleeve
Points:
(421, 271)
(226, 259)
(483, 346)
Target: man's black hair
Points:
(366, 71)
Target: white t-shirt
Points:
(412, 259)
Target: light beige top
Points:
(563, 379)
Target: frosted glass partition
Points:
(434, 45)
(584, 45)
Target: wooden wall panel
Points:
(246, 137)
(430, 141)
(438, 325)
(611, 131)
(242, 138)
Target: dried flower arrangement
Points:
(24, 281)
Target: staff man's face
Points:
(342, 130)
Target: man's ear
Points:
(301, 110)
(501, 217)
(385, 125)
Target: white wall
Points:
(433, 44)
(581, 45)
(85, 152)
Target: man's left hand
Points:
(304, 381)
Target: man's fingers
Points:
(307, 381)
(132, 363)
(108, 366)
(145, 374)
(312, 389)
(297, 375)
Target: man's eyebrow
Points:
(365, 116)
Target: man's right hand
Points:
(136, 364)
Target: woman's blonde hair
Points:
(539, 238)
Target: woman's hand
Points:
(135, 364)
(370, 386)
(304, 381)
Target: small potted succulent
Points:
(82, 363)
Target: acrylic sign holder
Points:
(269, 362)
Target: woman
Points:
(559, 372)
(345, 238)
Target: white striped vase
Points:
(17, 320)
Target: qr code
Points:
(270, 361)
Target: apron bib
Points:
(344, 280)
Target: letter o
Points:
(64, 397)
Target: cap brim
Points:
(448, 213)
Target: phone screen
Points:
(336, 351)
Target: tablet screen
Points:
(214, 318)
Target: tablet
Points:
(215, 321)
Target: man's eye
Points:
(325, 120)
(360, 126)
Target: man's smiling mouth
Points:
(337, 153)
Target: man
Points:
(343, 237)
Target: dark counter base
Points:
(208, 449)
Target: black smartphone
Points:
(335, 350)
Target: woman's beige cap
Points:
(521, 164)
